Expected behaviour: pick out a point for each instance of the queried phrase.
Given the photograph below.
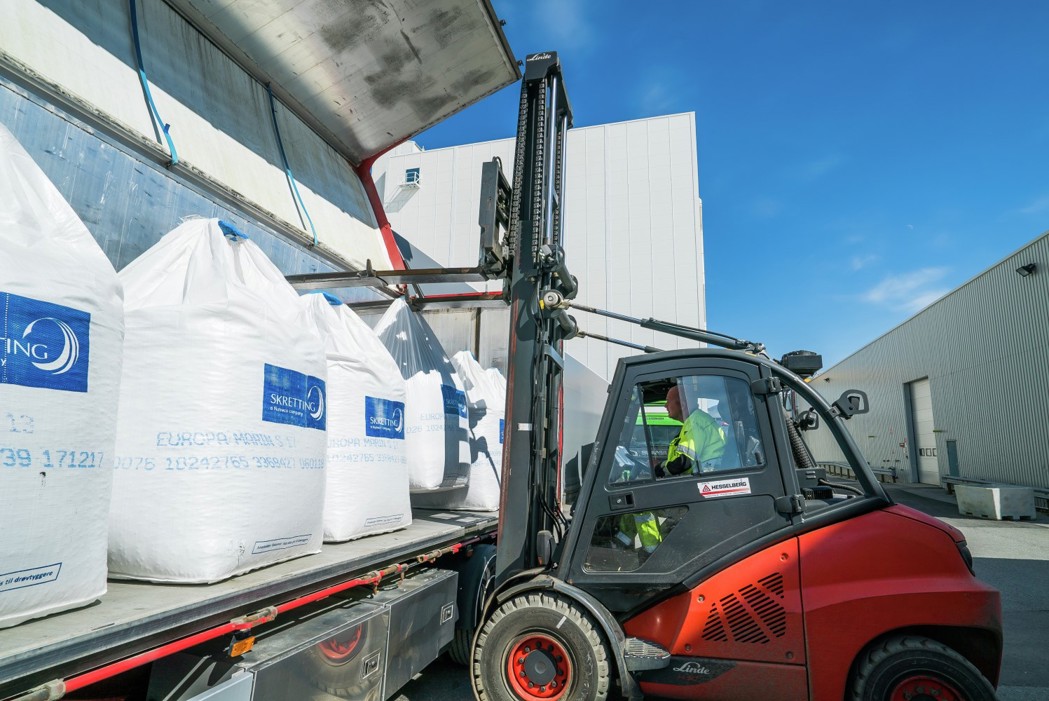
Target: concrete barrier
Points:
(995, 502)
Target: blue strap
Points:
(299, 204)
(153, 111)
(332, 299)
(230, 230)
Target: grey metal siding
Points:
(985, 349)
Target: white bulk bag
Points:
(367, 490)
(221, 430)
(486, 399)
(435, 409)
(61, 324)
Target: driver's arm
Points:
(680, 465)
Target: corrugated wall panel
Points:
(985, 350)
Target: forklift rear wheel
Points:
(913, 668)
(540, 647)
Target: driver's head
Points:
(674, 404)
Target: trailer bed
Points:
(135, 616)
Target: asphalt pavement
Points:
(1012, 556)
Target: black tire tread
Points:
(459, 650)
(566, 608)
(877, 655)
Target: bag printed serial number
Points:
(48, 458)
(218, 462)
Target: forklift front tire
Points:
(541, 647)
(910, 666)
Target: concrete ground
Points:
(1012, 556)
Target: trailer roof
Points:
(366, 74)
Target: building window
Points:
(411, 177)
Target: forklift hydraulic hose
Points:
(802, 457)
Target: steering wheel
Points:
(631, 465)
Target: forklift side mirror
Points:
(852, 402)
(808, 420)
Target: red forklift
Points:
(750, 575)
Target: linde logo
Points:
(693, 668)
(539, 57)
(383, 418)
(43, 344)
(290, 397)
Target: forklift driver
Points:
(700, 443)
(698, 448)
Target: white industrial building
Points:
(633, 229)
(960, 391)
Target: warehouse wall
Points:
(633, 223)
(77, 59)
(985, 351)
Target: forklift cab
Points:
(641, 529)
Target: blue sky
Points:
(857, 159)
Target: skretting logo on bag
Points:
(383, 418)
(43, 344)
(290, 397)
(454, 400)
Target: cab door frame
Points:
(721, 526)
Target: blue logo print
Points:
(289, 397)
(43, 344)
(383, 418)
(502, 428)
(454, 400)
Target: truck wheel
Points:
(324, 665)
(917, 669)
(540, 647)
(476, 577)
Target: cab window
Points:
(687, 425)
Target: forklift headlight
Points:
(967, 556)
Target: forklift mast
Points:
(534, 267)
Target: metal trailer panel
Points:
(633, 222)
(285, 663)
(134, 616)
(286, 668)
(370, 74)
(422, 624)
(984, 348)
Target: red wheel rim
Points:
(538, 668)
(341, 649)
(923, 688)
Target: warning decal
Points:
(724, 488)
